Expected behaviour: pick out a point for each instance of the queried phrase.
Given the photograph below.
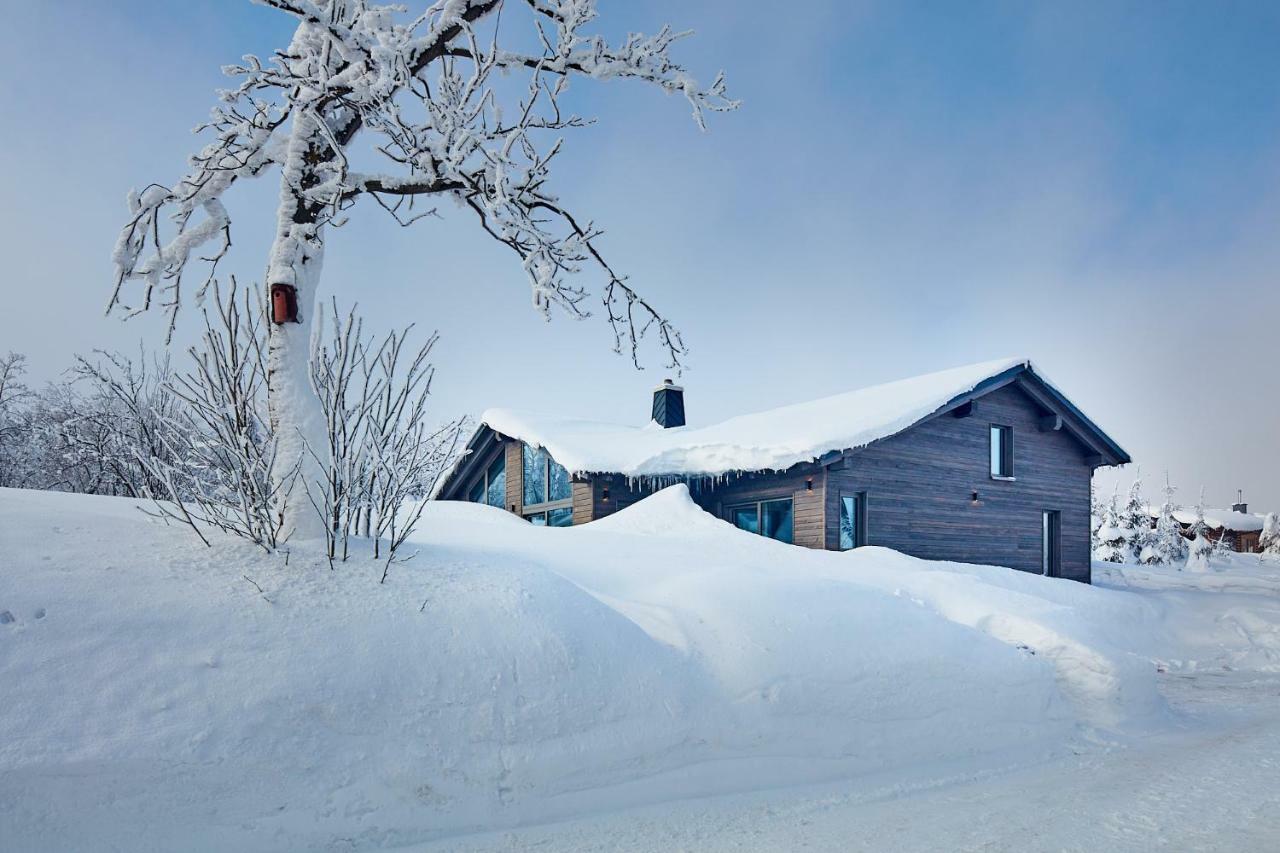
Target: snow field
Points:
(511, 674)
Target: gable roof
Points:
(780, 438)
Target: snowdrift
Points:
(156, 699)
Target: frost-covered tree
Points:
(1112, 545)
(1167, 545)
(445, 111)
(1201, 549)
(1135, 521)
(1269, 539)
(14, 427)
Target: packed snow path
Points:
(1214, 788)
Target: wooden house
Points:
(982, 464)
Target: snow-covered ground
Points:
(657, 680)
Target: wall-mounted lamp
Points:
(604, 493)
(976, 501)
(808, 485)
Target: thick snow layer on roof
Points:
(1227, 519)
(771, 440)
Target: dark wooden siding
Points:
(808, 520)
(920, 485)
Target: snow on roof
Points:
(771, 440)
(1227, 519)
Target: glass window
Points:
(496, 493)
(535, 475)
(746, 518)
(538, 519)
(562, 517)
(476, 495)
(768, 518)
(1001, 451)
(775, 517)
(558, 488)
(853, 532)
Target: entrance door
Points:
(1051, 543)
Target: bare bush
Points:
(218, 471)
(382, 456)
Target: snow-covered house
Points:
(1237, 527)
(988, 463)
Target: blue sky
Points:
(907, 187)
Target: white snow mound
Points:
(155, 699)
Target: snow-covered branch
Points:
(424, 91)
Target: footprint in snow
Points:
(6, 617)
(39, 612)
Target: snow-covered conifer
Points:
(1269, 539)
(1168, 545)
(1112, 545)
(1201, 549)
(1135, 521)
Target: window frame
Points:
(759, 503)
(1007, 471)
(860, 520)
(544, 507)
(483, 481)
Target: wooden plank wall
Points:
(919, 487)
(808, 521)
(515, 476)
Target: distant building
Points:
(1238, 527)
(983, 464)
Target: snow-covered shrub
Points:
(1112, 545)
(1269, 539)
(1201, 549)
(1199, 554)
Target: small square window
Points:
(1001, 451)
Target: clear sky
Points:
(907, 187)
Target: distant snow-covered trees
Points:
(198, 442)
(1113, 547)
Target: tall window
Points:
(547, 492)
(853, 521)
(768, 518)
(1051, 543)
(491, 487)
(1001, 451)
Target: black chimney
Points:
(668, 405)
(1239, 505)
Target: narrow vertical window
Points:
(853, 524)
(1001, 451)
(496, 482)
(535, 475)
(1051, 543)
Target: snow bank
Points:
(1228, 619)
(509, 674)
(775, 439)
